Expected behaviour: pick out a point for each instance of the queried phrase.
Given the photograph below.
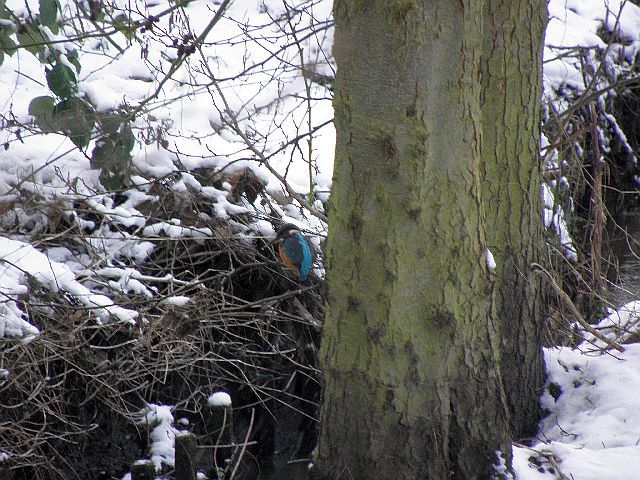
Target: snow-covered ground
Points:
(241, 103)
(592, 431)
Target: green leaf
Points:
(75, 118)
(49, 13)
(112, 182)
(62, 80)
(31, 39)
(41, 105)
(126, 138)
(7, 45)
(4, 12)
(113, 161)
(101, 155)
(110, 155)
(42, 109)
(72, 56)
(110, 123)
(115, 125)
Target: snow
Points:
(162, 435)
(20, 262)
(219, 399)
(553, 216)
(619, 325)
(177, 300)
(592, 429)
(491, 262)
(267, 108)
(183, 422)
(572, 38)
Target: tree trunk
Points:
(412, 340)
(512, 84)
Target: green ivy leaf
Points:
(62, 80)
(31, 39)
(112, 182)
(4, 12)
(49, 13)
(114, 162)
(110, 123)
(42, 109)
(72, 56)
(7, 45)
(126, 138)
(75, 118)
(111, 155)
(41, 105)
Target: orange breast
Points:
(285, 258)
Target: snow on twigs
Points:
(20, 263)
(202, 153)
(219, 399)
(162, 436)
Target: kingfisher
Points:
(294, 249)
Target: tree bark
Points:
(412, 343)
(511, 89)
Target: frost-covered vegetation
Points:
(149, 150)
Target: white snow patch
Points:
(178, 300)
(592, 428)
(491, 262)
(20, 262)
(162, 436)
(219, 399)
(176, 231)
(619, 325)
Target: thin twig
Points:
(540, 270)
(244, 446)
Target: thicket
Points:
(589, 162)
(203, 303)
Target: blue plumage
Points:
(294, 249)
